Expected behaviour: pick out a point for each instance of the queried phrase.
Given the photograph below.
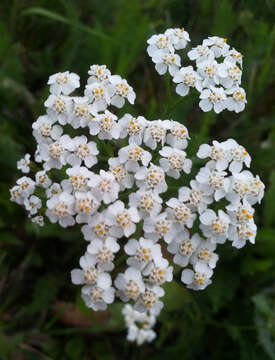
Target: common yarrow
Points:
(123, 210)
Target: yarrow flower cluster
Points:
(139, 325)
(216, 74)
(121, 208)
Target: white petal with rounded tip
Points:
(104, 281)
(117, 101)
(182, 89)
(207, 217)
(77, 276)
(205, 105)
(109, 295)
(161, 68)
(187, 276)
(235, 166)
(204, 151)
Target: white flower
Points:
(241, 233)
(159, 274)
(16, 195)
(204, 254)
(61, 209)
(241, 186)
(98, 73)
(215, 227)
(209, 73)
(130, 284)
(257, 191)
(218, 45)
(242, 227)
(98, 296)
(24, 164)
(234, 57)
(145, 336)
(54, 189)
(230, 74)
(42, 179)
(160, 227)
(59, 108)
(105, 126)
(81, 112)
(180, 213)
(121, 90)
(38, 220)
(159, 44)
(132, 333)
(78, 179)
(45, 131)
(130, 315)
(122, 220)
(237, 101)
(139, 324)
(152, 178)
(86, 205)
(156, 133)
(88, 274)
(104, 186)
(65, 83)
(183, 247)
(82, 151)
(201, 53)
(133, 127)
(197, 199)
(54, 154)
(178, 135)
(244, 185)
(213, 97)
(179, 37)
(199, 279)
(187, 78)
(175, 163)
(37, 155)
(122, 177)
(241, 212)
(150, 299)
(26, 186)
(99, 95)
(142, 253)
(97, 227)
(166, 61)
(238, 155)
(104, 252)
(32, 204)
(148, 203)
(218, 153)
(213, 181)
(131, 155)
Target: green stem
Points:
(168, 92)
(171, 108)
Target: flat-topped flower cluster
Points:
(139, 325)
(217, 74)
(119, 201)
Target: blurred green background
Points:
(41, 313)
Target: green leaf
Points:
(45, 291)
(176, 296)
(269, 203)
(59, 18)
(74, 348)
(9, 238)
(223, 288)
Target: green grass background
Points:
(41, 313)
